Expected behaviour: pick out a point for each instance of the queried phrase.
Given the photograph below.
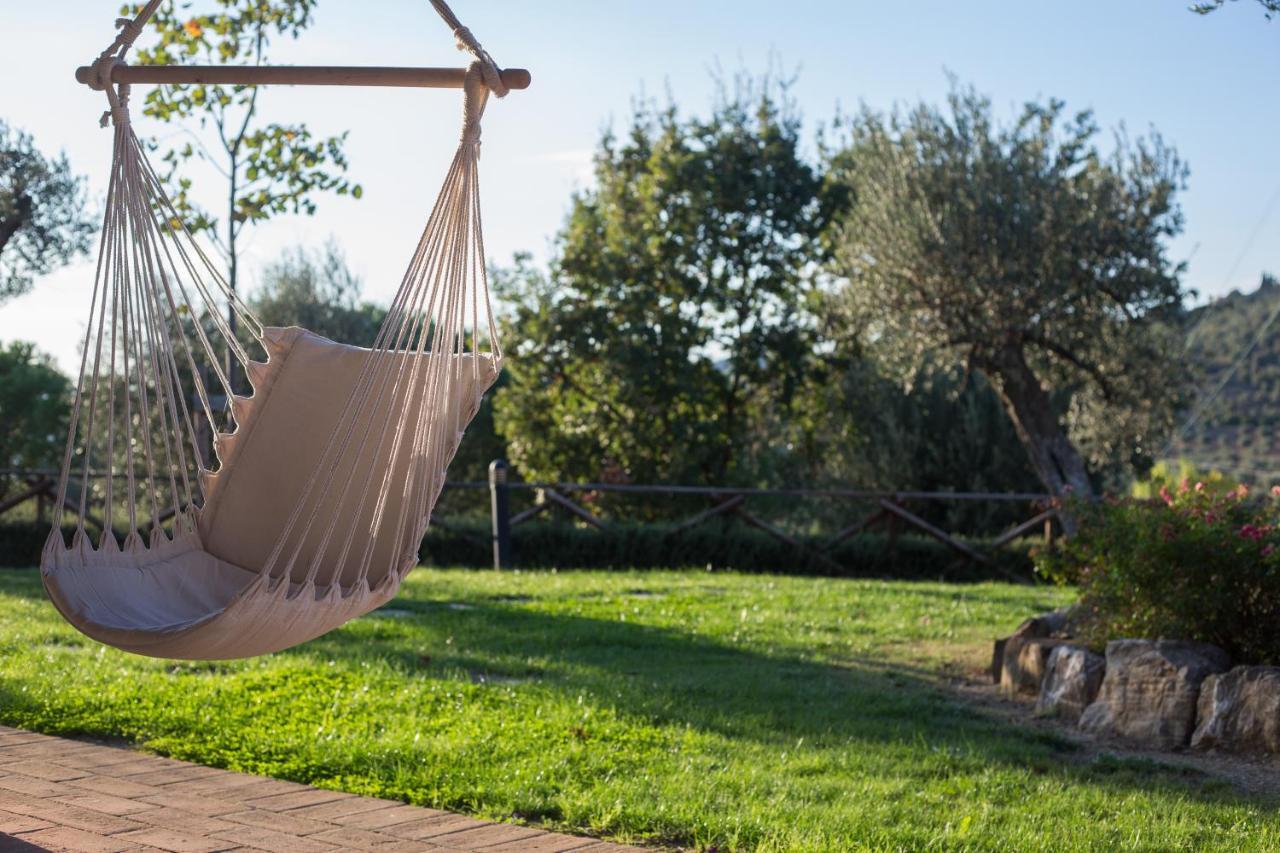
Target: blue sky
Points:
(1208, 84)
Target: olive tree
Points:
(43, 218)
(1025, 252)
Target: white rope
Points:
(156, 290)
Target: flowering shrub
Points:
(1196, 563)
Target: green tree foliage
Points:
(318, 292)
(34, 404)
(43, 221)
(270, 168)
(1022, 252)
(1269, 7)
(671, 332)
(943, 432)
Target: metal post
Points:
(500, 502)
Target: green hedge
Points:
(735, 546)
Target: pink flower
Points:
(1249, 531)
(1199, 487)
(1166, 496)
(1184, 486)
(1253, 531)
(1268, 550)
(1275, 491)
(1242, 491)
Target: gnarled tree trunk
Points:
(1054, 458)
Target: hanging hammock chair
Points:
(325, 474)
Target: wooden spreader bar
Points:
(298, 75)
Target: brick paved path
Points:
(58, 794)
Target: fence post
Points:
(500, 503)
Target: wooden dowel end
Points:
(298, 75)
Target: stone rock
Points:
(1072, 678)
(997, 659)
(1150, 690)
(1025, 663)
(1055, 624)
(1239, 711)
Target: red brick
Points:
(183, 821)
(547, 842)
(66, 838)
(235, 787)
(105, 803)
(175, 842)
(277, 842)
(28, 785)
(279, 821)
(380, 818)
(350, 838)
(296, 799)
(331, 811)
(114, 787)
(442, 824)
(167, 775)
(46, 770)
(208, 805)
(11, 823)
(486, 836)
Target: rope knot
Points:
(475, 91)
(130, 29)
(492, 75)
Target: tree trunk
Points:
(1053, 457)
(21, 215)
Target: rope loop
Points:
(103, 67)
(117, 95)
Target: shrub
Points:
(1196, 563)
(726, 546)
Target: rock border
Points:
(1161, 694)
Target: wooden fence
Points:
(890, 511)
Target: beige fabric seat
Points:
(201, 593)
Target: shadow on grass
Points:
(673, 678)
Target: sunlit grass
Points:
(688, 709)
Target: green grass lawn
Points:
(683, 709)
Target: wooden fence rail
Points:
(40, 485)
(890, 512)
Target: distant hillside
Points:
(1239, 432)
